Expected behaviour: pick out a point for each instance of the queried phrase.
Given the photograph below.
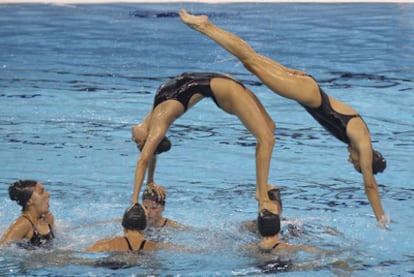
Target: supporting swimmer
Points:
(268, 223)
(135, 218)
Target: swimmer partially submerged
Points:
(154, 199)
(134, 223)
(36, 223)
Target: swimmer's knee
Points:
(269, 137)
(266, 141)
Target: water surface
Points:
(75, 78)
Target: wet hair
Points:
(21, 191)
(163, 146)
(268, 223)
(134, 218)
(274, 195)
(152, 194)
(378, 162)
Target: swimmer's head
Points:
(21, 191)
(155, 193)
(268, 223)
(378, 162)
(135, 218)
(139, 136)
(163, 146)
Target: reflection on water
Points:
(69, 96)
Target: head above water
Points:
(163, 146)
(139, 136)
(268, 223)
(135, 218)
(378, 162)
(155, 193)
(21, 191)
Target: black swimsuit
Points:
(39, 239)
(184, 86)
(334, 122)
(130, 246)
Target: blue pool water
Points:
(75, 78)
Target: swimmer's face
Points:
(154, 211)
(40, 199)
(139, 136)
(354, 159)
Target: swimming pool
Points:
(74, 78)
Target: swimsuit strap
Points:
(129, 244)
(276, 245)
(31, 222)
(34, 226)
(51, 230)
(35, 229)
(141, 247)
(165, 222)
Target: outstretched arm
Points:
(371, 186)
(141, 168)
(361, 142)
(151, 169)
(147, 158)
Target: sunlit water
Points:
(73, 80)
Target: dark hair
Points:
(21, 191)
(134, 218)
(163, 146)
(268, 223)
(378, 162)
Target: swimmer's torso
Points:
(40, 240)
(334, 122)
(184, 86)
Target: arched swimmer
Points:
(341, 120)
(176, 96)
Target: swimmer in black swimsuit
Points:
(292, 228)
(39, 239)
(268, 225)
(35, 225)
(153, 200)
(338, 118)
(134, 223)
(178, 95)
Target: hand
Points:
(384, 221)
(159, 190)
